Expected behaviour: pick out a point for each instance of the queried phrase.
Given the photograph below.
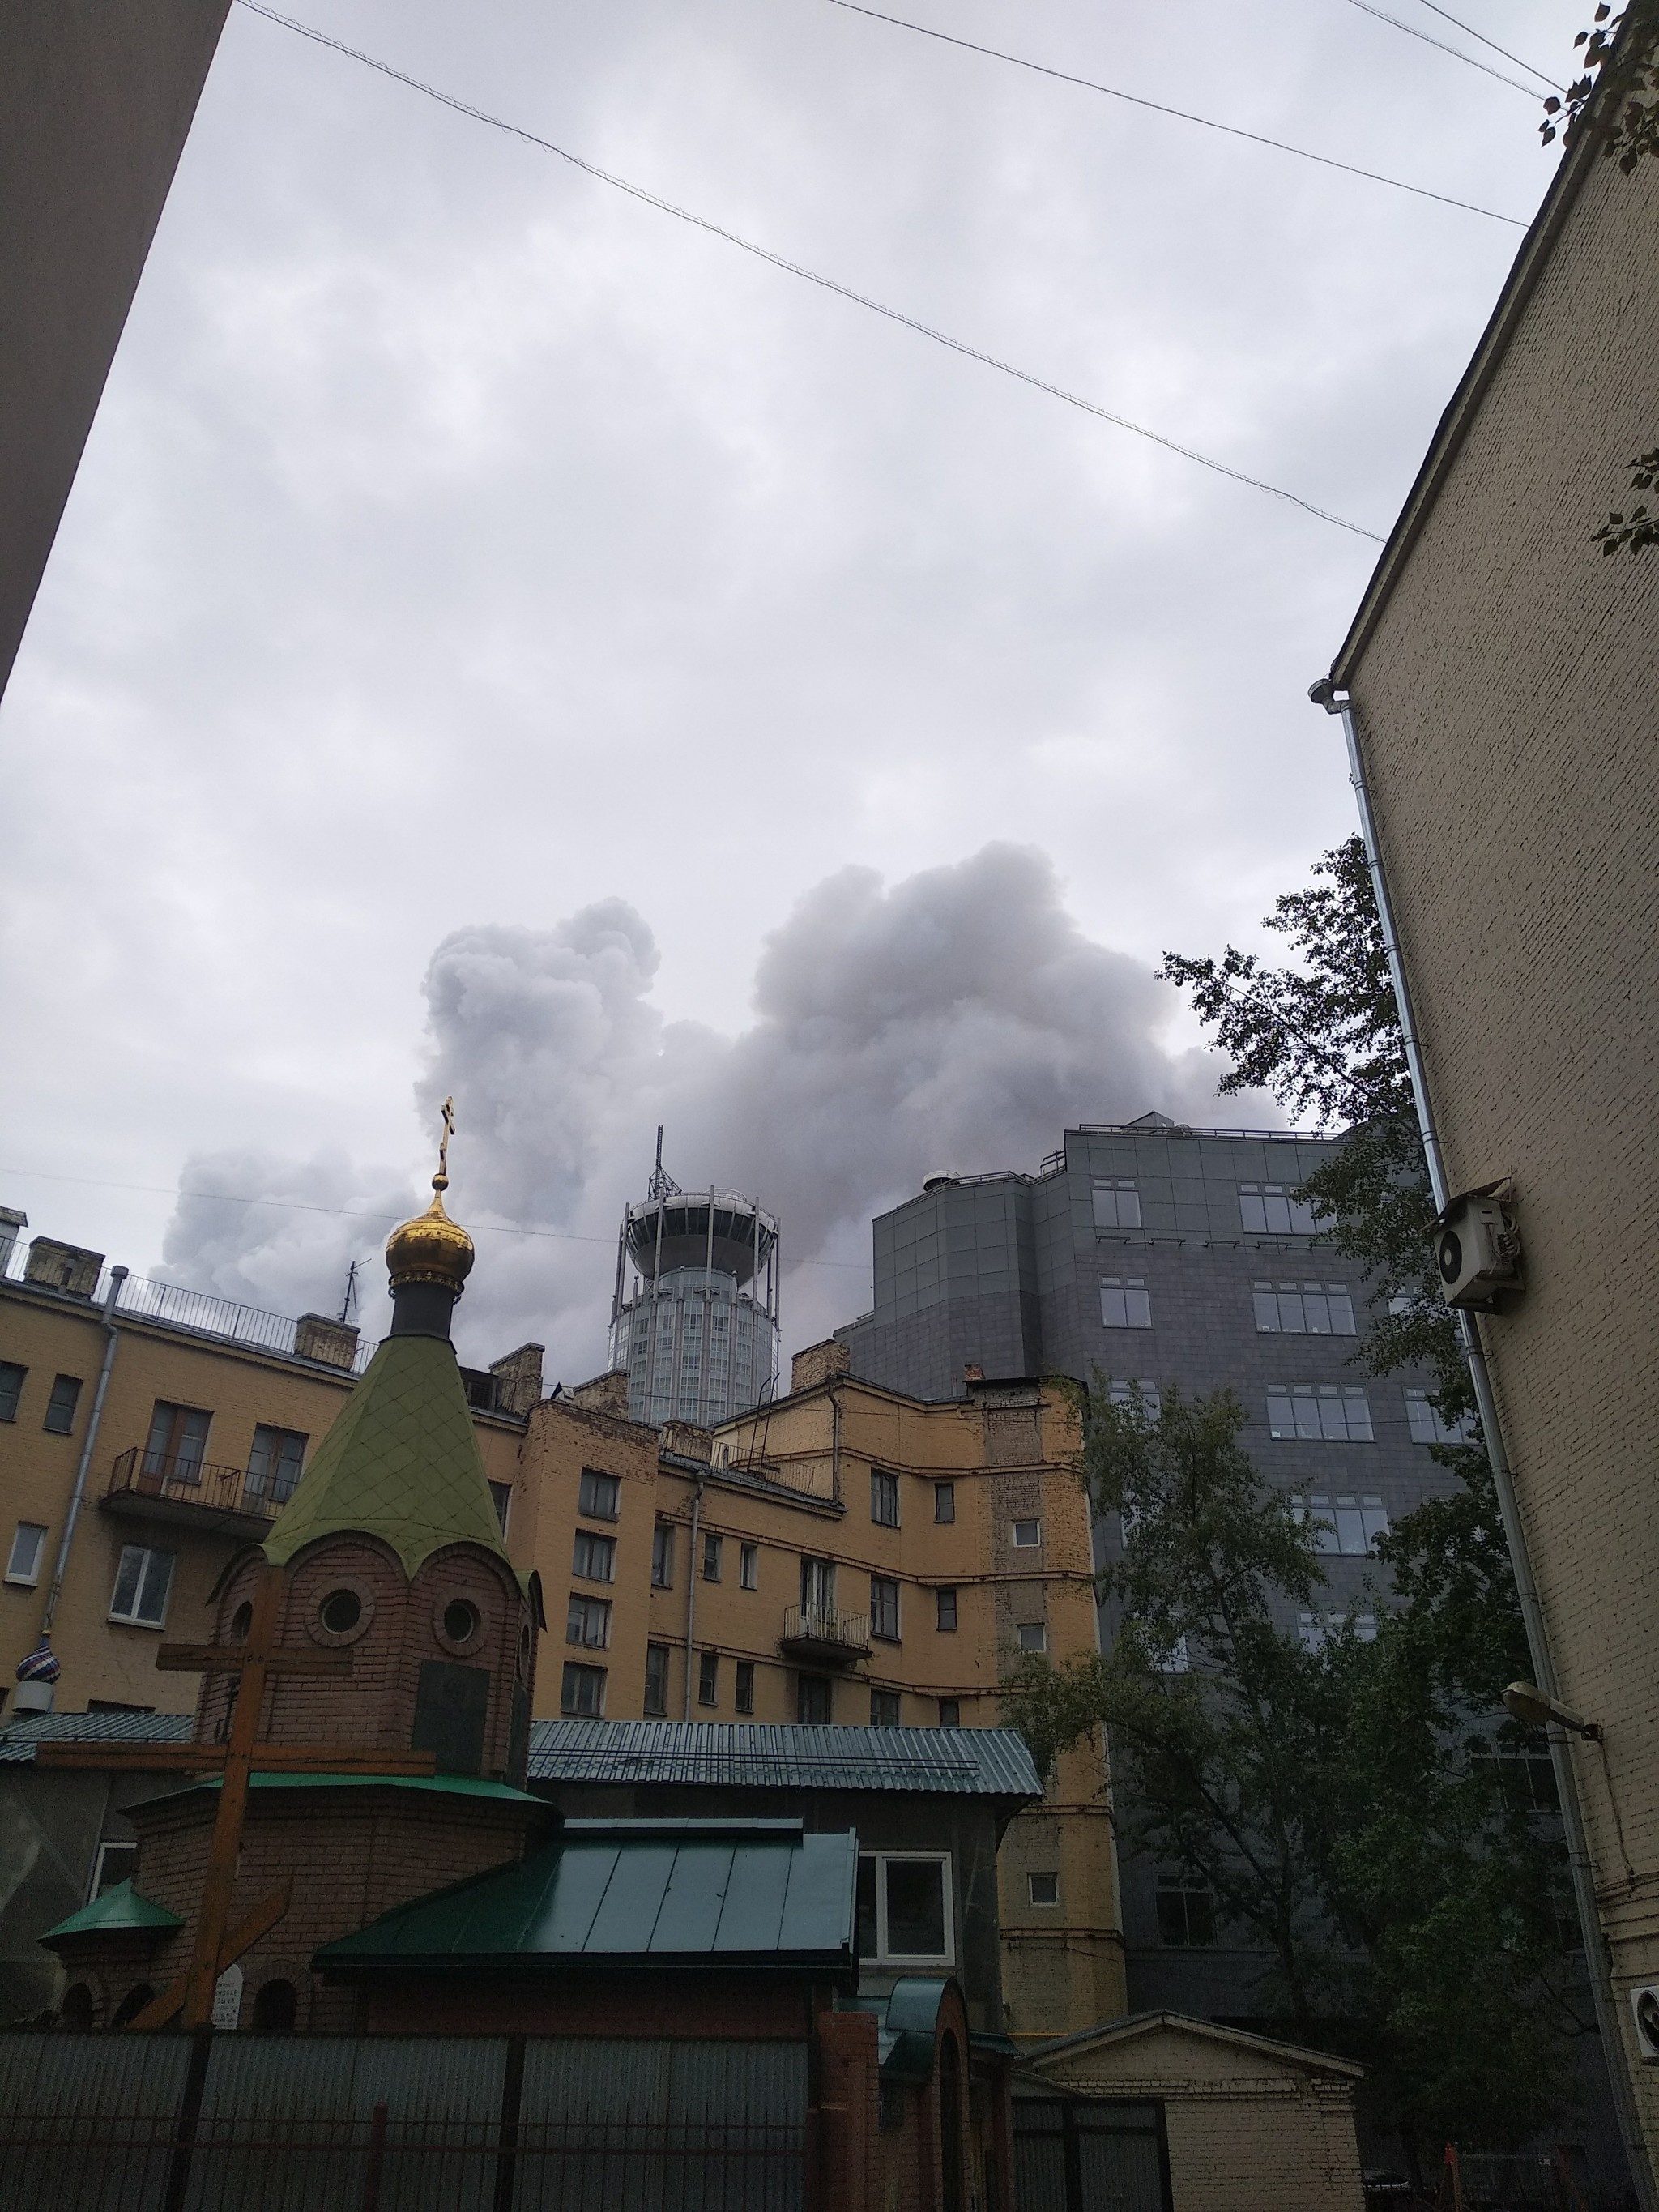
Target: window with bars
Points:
(1319, 1413)
(1117, 1205)
(1124, 1303)
(588, 1621)
(1269, 1209)
(883, 1608)
(1426, 1425)
(1303, 1309)
(884, 1498)
(1350, 1526)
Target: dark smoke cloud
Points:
(958, 1020)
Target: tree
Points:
(1338, 1793)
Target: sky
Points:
(505, 641)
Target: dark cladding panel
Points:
(450, 1706)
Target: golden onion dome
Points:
(431, 1248)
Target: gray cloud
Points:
(959, 1018)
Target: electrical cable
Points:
(1457, 52)
(1469, 31)
(811, 276)
(352, 1212)
(1181, 114)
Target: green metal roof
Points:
(401, 1462)
(120, 1906)
(657, 1894)
(763, 1755)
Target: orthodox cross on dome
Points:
(440, 1180)
(217, 1944)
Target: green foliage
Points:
(1638, 529)
(1614, 99)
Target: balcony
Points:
(214, 1501)
(810, 1632)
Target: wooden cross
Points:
(216, 1944)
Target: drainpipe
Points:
(692, 1596)
(1597, 1954)
(116, 1277)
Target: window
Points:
(500, 1497)
(1319, 1414)
(712, 1546)
(1303, 1309)
(114, 1864)
(1117, 1205)
(1033, 1636)
(1174, 1661)
(944, 1601)
(905, 1907)
(1426, 1425)
(817, 1587)
(588, 1621)
(884, 1498)
(1186, 1912)
(11, 1387)
(813, 1700)
(1269, 1209)
(273, 1465)
(949, 1712)
(1042, 1889)
(944, 1501)
(656, 1682)
(1350, 1526)
(29, 1541)
(662, 1556)
(1127, 1391)
(582, 1693)
(884, 1709)
(1028, 1534)
(708, 1678)
(177, 1444)
(599, 1495)
(1124, 1303)
(142, 1582)
(595, 1558)
(883, 1608)
(60, 1406)
(744, 1689)
(1526, 1779)
(748, 1566)
(1314, 1628)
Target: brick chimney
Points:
(818, 1363)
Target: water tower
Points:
(695, 1316)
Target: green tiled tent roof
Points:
(401, 1463)
(120, 1906)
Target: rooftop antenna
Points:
(350, 1299)
(662, 1184)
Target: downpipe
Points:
(112, 1334)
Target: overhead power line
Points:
(1472, 61)
(1469, 31)
(352, 1212)
(1180, 114)
(810, 276)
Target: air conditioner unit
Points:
(1644, 2003)
(1477, 1249)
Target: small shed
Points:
(1160, 2113)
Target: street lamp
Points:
(1526, 1701)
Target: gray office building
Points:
(1155, 1254)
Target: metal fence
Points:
(266, 2124)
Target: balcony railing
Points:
(195, 1485)
(814, 1633)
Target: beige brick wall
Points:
(1508, 704)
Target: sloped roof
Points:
(1135, 2027)
(637, 1893)
(18, 1741)
(120, 1906)
(759, 1755)
(401, 1462)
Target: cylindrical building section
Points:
(694, 1319)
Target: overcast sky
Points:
(504, 640)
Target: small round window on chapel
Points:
(342, 1610)
(460, 1620)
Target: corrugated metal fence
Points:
(400, 2123)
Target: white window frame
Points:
(589, 1543)
(748, 1566)
(20, 1575)
(1039, 1629)
(589, 1606)
(597, 1477)
(147, 1553)
(1043, 1904)
(1116, 1203)
(884, 1956)
(110, 1843)
(1023, 1544)
(1130, 1292)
